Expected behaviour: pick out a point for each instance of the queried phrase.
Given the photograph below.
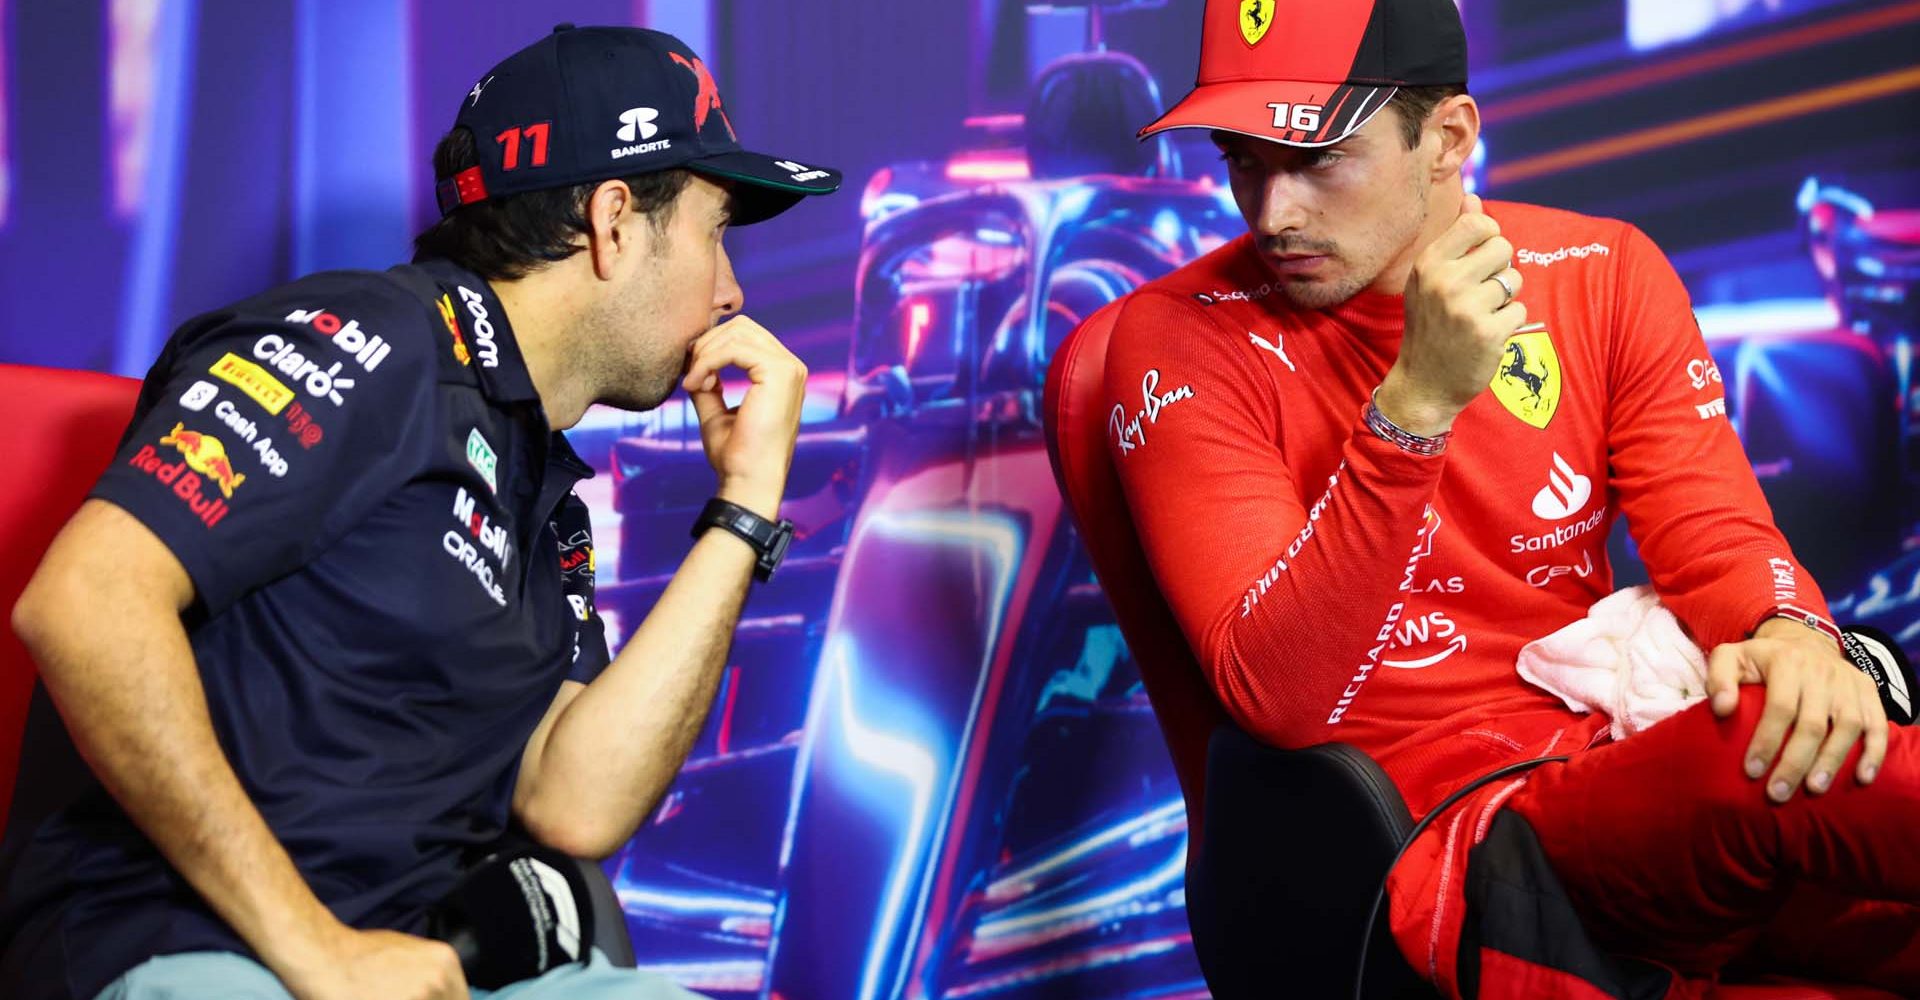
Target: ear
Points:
(610, 231)
(1457, 120)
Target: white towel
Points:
(1628, 658)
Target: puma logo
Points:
(1275, 348)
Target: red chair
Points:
(63, 427)
(1257, 927)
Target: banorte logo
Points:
(637, 124)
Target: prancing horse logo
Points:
(1256, 16)
(1529, 381)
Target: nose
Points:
(728, 297)
(1283, 206)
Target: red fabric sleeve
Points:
(1285, 588)
(1678, 470)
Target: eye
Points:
(1324, 158)
(1237, 161)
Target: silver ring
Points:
(1502, 282)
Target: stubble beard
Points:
(1391, 240)
(634, 369)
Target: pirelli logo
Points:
(262, 388)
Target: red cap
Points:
(1311, 72)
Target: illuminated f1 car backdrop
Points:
(931, 770)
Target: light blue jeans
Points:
(219, 975)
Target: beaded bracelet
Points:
(1399, 437)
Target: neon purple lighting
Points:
(133, 31)
(6, 163)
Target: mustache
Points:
(1278, 245)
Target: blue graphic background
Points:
(931, 770)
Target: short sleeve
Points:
(263, 434)
(575, 530)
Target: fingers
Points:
(1723, 683)
(453, 985)
(1782, 708)
(1509, 318)
(1811, 724)
(739, 343)
(1488, 259)
(1874, 733)
(1463, 235)
(708, 402)
(1847, 726)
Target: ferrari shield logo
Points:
(1255, 17)
(1528, 382)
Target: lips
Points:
(1298, 263)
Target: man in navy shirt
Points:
(321, 630)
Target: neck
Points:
(542, 308)
(1443, 206)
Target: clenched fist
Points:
(381, 963)
(750, 445)
(1459, 317)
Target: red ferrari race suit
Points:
(1337, 588)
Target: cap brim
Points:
(765, 187)
(1269, 109)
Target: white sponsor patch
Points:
(1564, 495)
(1548, 258)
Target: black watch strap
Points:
(768, 538)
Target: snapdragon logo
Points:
(1548, 258)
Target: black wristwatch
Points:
(768, 538)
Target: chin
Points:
(641, 400)
(1320, 294)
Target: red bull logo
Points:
(185, 476)
(206, 455)
(460, 352)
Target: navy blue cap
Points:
(592, 104)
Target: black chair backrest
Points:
(1082, 115)
(1297, 844)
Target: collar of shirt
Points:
(506, 381)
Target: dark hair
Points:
(1414, 104)
(510, 237)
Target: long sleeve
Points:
(1287, 582)
(1683, 481)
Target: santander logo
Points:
(1564, 495)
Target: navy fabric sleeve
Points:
(265, 432)
(575, 531)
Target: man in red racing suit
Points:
(1416, 417)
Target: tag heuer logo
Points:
(1528, 382)
(1255, 17)
(480, 455)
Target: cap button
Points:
(563, 26)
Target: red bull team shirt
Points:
(392, 578)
